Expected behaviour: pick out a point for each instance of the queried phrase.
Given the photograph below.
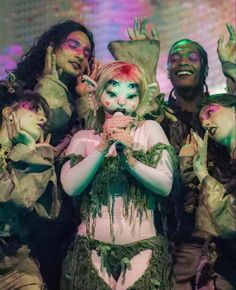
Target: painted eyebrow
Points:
(111, 82)
(133, 85)
(205, 109)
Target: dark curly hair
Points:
(11, 94)
(203, 58)
(31, 66)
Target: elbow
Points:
(167, 190)
(69, 188)
(164, 188)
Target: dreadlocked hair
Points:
(202, 53)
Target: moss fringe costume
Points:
(78, 270)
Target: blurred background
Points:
(21, 21)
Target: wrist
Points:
(127, 159)
(131, 161)
(229, 70)
(102, 148)
(201, 175)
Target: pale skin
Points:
(13, 130)
(211, 119)
(117, 128)
(71, 59)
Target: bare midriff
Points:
(126, 229)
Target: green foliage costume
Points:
(28, 190)
(78, 269)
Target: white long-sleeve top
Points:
(159, 180)
(148, 134)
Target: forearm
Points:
(156, 180)
(229, 70)
(75, 179)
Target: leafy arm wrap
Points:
(218, 207)
(29, 182)
(75, 179)
(159, 180)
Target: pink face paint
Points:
(107, 103)
(75, 45)
(27, 105)
(208, 111)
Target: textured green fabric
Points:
(28, 190)
(25, 275)
(80, 274)
(26, 181)
(59, 100)
(112, 180)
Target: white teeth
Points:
(75, 65)
(184, 72)
(212, 130)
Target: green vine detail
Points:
(112, 181)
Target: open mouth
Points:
(42, 125)
(123, 111)
(212, 130)
(184, 73)
(75, 65)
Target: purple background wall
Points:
(201, 20)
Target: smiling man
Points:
(187, 70)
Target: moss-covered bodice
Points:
(113, 180)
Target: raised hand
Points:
(45, 140)
(118, 121)
(140, 32)
(124, 146)
(50, 64)
(227, 52)
(200, 159)
(190, 148)
(86, 89)
(93, 71)
(104, 144)
(16, 134)
(121, 136)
